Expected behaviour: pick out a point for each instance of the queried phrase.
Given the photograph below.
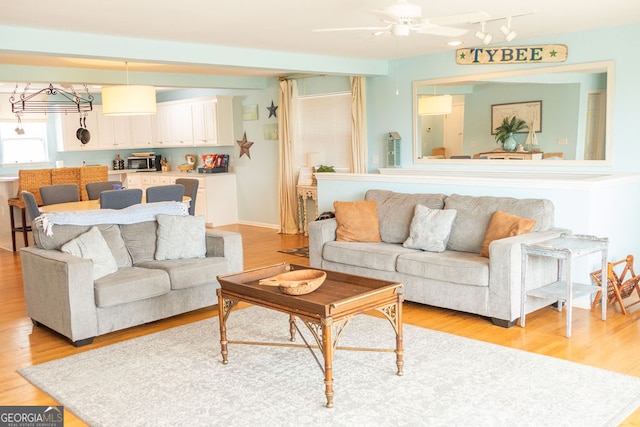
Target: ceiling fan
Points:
(402, 17)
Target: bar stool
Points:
(15, 202)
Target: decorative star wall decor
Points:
(272, 110)
(244, 145)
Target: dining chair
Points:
(165, 193)
(59, 193)
(31, 206)
(191, 190)
(120, 199)
(95, 188)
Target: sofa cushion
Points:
(378, 256)
(91, 245)
(430, 229)
(140, 239)
(130, 284)
(505, 225)
(474, 215)
(180, 237)
(357, 221)
(61, 234)
(395, 211)
(187, 273)
(450, 266)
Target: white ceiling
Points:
(286, 26)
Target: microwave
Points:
(144, 163)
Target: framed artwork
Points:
(270, 131)
(250, 112)
(530, 112)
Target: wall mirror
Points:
(568, 104)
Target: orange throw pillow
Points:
(505, 225)
(357, 221)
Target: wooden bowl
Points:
(297, 282)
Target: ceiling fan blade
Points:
(384, 28)
(461, 18)
(437, 30)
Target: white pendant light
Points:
(435, 105)
(128, 100)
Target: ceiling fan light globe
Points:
(403, 11)
(401, 30)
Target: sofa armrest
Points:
(227, 244)
(58, 292)
(320, 232)
(505, 266)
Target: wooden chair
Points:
(95, 188)
(617, 287)
(191, 190)
(28, 180)
(165, 193)
(59, 193)
(558, 155)
(120, 199)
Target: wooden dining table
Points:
(84, 205)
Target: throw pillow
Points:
(181, 237)
(91, 245)
(430, 229)
(357, 221)
(503, 225)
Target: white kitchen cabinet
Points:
(133, 180)
(115, 131)
(204, 118)
(142, 131)
(217, 198)
(173, 125)
(197, 122)
(68, 125)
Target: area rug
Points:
(176, 377)
(301, 252)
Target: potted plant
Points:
(504, 132)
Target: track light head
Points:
(506, 30)
(484, 37)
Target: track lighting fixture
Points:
(484, 37)
(506, 30)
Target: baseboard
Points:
(260, 224)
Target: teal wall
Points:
(389, 99)
(389, 108)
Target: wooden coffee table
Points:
(326, 312)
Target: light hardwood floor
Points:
(613, 345)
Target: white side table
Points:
(565, 249)
(305, 192)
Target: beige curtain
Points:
(358, 125)
(287, 141)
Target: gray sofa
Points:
(62, 292)
(458, 278)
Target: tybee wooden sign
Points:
(512, 54)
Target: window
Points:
(325, 128)
(24, 143)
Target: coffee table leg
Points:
(399, 339)
(327, 345)
(224, 308)
(393, 313)
(292, 328)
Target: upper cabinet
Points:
(70, 125)
(201, 122)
